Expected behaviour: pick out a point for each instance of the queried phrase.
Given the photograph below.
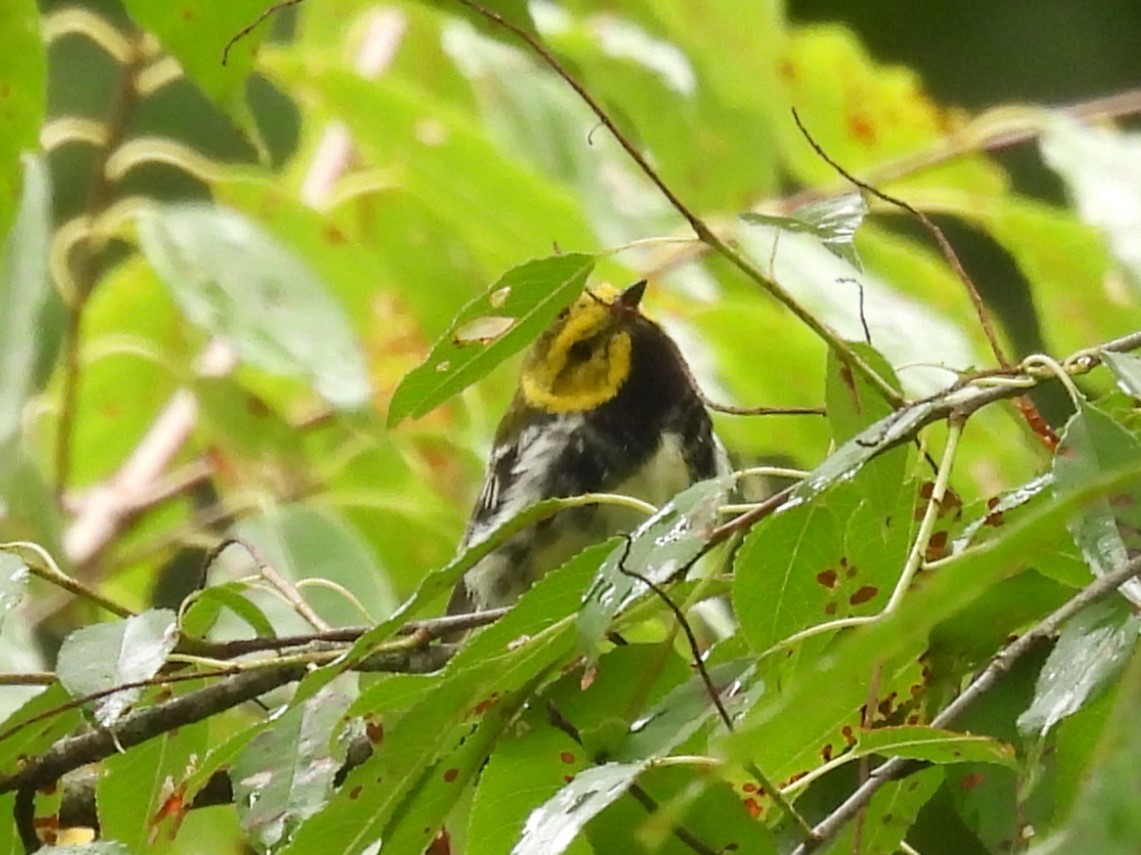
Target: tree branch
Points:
(1002, 662)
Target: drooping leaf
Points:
(235, 281)
(200, 618)
(661, 547)
(1093, 443)
(888, 817)
(916, 742)
(832, 221)
(550, 828)
(25, 289)
(1126, 368)
(489, 329)
(285, 773)
(1105, 819)
(1092, 649)
(105, 655)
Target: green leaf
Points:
(682, 712)
(25, 289)
(501, 322)
(787, 729)
(197, 32)
(1127, 369)
(35, 726)
(835, 556)
(134, 787)
(105, 655)
(525, 770)
(1105, 819)
(237, 282)
(381, 790)
(853, 404)
(884, 824)
(1100, 167)
(23, 96)
(664, 545)
(551, 827)
(832, 221)
(1093, 443)
(933, 745)
(1091, 651)
(414, 827)
(203, 613)
(285, 773)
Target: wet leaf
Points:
(1126, 369)
(521, 305)
(832, 221)
(285, 774)
(661, 547)
(1091, 651)
(888, 817)
(551, 828)
(105, 655)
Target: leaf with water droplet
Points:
(1091, 651)
(677, 716)
(553, 826)
(660, 548)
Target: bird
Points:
(605, 403)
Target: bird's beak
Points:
(632, 296)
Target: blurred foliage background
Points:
(175, 373)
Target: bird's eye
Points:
(581, 350)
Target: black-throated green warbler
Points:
(605, 404)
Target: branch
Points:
(958, 401)
(898, 767)
(949, 254)
(72, 752)
(699, 226)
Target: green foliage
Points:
(244, 406)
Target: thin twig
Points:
(1001, 663)
(700, 228)
(562, 723)
(714, 693)
(989, 131)
(249, 28)
(945, 247)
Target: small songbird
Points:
(605, 403)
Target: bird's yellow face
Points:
(584, 358)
